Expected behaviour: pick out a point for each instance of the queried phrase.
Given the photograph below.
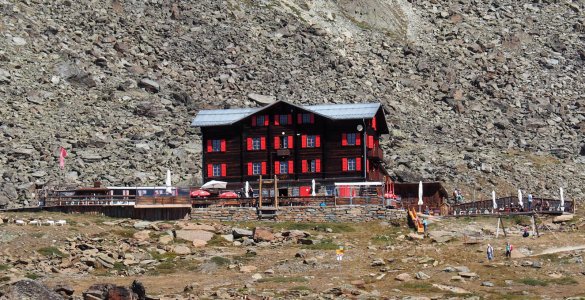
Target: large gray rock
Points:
(27, 289)
(192, 235)
(262, 99)
(239, 232)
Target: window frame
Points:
(216, 145)
(260, 120)
(351, 138)
(256, 141)
(305, 118)
(351, 162)
(284, 142)
(312, 166)
(283, 166)
(311, 141)
(213, 170)
(258, 166)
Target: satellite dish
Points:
(360, 128)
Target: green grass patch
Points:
(326, 244)
(118, 266)
(533, 282)
(300, 288)
(4, 267)
(419, 287)
(51, 251)
(282, 279)
(218, 241)
(564, 281)
(336, 227)
(125, 233)
(32, 276)
(381, 239)
(164, 256)
(220, 261)
(166, 267)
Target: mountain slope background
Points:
(481, 95)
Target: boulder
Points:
(451, 289)
(142, 235)
(192, 235)
(403, 277)
(165, 239)
(239, 232)
(263, 234)
(149, 85)
(248, 269)
(422, 276)
(378, 262)
(261, 99)
(199, 243)
(141, 225)
(27, 289)
(182, 250)
(563, 218)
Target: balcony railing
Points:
(376, 153)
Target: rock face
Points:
(29, 290)
(469, 90)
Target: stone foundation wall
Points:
(364, 213)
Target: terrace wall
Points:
(364, 213)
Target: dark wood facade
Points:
(317, 147)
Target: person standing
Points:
(509, 249)
(426, 226)
(490, 252)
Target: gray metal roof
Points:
(215, 117)
(345, 111)
(332, 111)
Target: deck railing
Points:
(510, 205)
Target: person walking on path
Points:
(509, 249)
(490, 252)
(426, 226)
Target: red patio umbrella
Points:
(199, 193)
(228, 195)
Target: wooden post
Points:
(275, 192)
(534, 226)
(260, 192)
(503, 228)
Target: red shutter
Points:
(344, 164)
(318, 165)
(263, 143)
(222, 145)
(358, 139)
(263, 168)
(289, 119)
(223, 170)
(299, 118)
(276, 167)
(358, 163)
(209, 170)
(344, 139)
(290, 142)
(374, 125)
(276, 120)
(370, 141)
(291, 168)
(276, 142)
(317, 141)
(209, 147)
(249, 143)
(266, 120)
(312, 118)
(250, 169)
(253, 120)
(304, 167)
(303, 141)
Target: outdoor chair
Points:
(20, 222)
(35, 222)
(50, 222)
(61, 222)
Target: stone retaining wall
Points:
(363, 213)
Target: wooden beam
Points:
(260, 192)
(275, 191)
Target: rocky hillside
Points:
(479, 94)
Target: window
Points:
(310, 141)
(306, 118)
(256, 143)
(311, 166)
(351, 164)
(283, 168)
(283, 119)
(257, 168)
(261, 120)
(216, 145)
(284, 142)
(216, 170)
(350, 139)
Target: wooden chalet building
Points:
(327, 143)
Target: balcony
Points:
(376, 153)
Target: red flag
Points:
(62, 155)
